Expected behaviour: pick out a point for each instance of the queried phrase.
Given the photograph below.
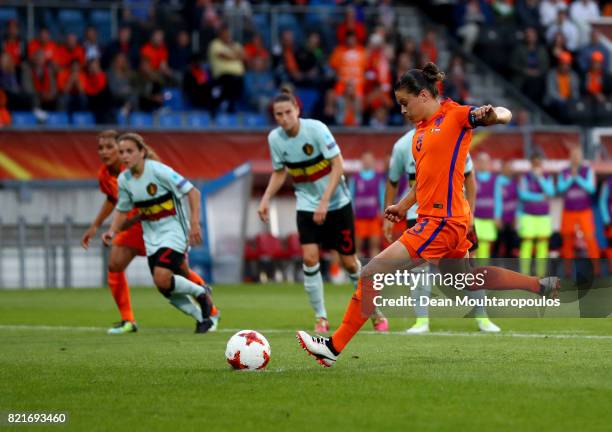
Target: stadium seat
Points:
(101, 20)
(309, 98)
(141, 119)
(173, 99)
(271, 255)
(23, 119)
(83, 118)
(198, 119)
(58, 119)
(7, 14)
(171, 120)
(254, 120)
(224, 120)
(71, 21)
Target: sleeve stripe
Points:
(181, 184)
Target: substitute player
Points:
(155, 191)
(307, 150)
(402, 162)
(577, 184)
(440, 147)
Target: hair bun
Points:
(432, 74)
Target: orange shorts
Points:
(131, 238)
(435, 238)
(365, 228)
(583, 218)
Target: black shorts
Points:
(337, 232)
(166, 258)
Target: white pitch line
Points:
(281, 331)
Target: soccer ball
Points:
(248, 350)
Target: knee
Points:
(351, 265)
(368, 271)
(115, 265)
(163, 282)
(311, 260)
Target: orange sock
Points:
(497, 278)
(120, 290)
(195, 278)
(354, 317)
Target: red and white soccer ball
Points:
(248, 350)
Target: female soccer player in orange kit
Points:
(128, 243)
(440, 147)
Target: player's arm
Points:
(118, 220)
(397, 212)
(334, 179)
(195, 231)
(105, 211)
(277, 179)
(488, 115)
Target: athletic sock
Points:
(185, 286)
(185, 304)
(484, 250)
(525, 255)
(354, 277)
(479, 311)
(117, 282)
(197, 279)
(423, 289)
(313, 285)
(541, 255)
(353, 320)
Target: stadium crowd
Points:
(556, 58)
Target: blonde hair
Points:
(140, 143)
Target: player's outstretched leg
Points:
(326, 350)
(353, 267)
(117, 282)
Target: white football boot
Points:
(316, 346)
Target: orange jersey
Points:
(440, 147)
(108, 186)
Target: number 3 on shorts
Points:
(347, 240)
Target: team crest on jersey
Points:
(152, 189)
(308, 149)
(419, 143)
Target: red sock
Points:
(354, 317)
(497, 278)
(195, 278)
(120, 290)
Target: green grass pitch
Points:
(540, 375)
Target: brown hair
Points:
(285, 95)
(109, 133)
(416, 80)
(140, 143)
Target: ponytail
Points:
(416, 80)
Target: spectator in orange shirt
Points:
(377, 99)
(349, 62)
(39, 80)
(12, 43)
(349, 106)
(70, 88)
(379, 64)
(561, 87)
(42, 43)
(597, 81)
(351, 25)
(255, 49)
(429, 48)
(70, 51)
(156, 53)
(96, 88)
(5, 115)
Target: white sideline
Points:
(369, 332)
